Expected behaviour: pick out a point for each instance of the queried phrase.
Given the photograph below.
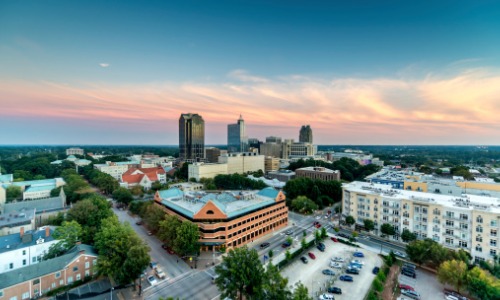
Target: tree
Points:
(123, 195)
(187, 241)
(168, 229)
(240, 275)
(418, 250)
(482, 285)
(153, 216)
(13, 192)
(408, 236)
(274, 285)
(122, 254)
(453, 272)
(317, 236)
(350, 220)
(369, 224)
(67, 234)
(288, 255)
(303, 205)
(303, 244)
(324, 234)
(388, 229)
(300, 292)
(137, 191)
(270, 253)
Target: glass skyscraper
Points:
(237, 140)
(191, 137)
(306, 134)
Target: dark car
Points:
(352, 271)
(315, 223)
(408, 273)
(304, 259)
(346, 278)
(344, 235)
(139, 223)
(321, 248)
(322, 245)
(335, 290)
(358, 254)
(376, 270)
(334, 239)
(328, 272)
(289, 232)
(264, 245)
(285, 245)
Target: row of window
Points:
(493, 252)
(255, 217)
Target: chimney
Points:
(21, 232)
(47, 231)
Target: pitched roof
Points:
(15, 241)
(45, 267)
(135, 175)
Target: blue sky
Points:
(179, 53)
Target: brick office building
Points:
(318, 173)
(229, 218)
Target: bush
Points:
(377, 285)
(371, 296)
(381, 276)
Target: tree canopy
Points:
(237, 182)
(350, 169)
(303, 205)
(319, 191)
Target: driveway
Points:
(426, 284)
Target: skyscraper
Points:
(306, 134)
(237, 140)
(191, 137)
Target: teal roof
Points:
(43, 268)
(171, 193)
(36, 188)
(35, 182)
(6, 178)
(269, 192)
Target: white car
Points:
(338, 259)
(357, 261)
(411, 294)
(152, 280)
(159, 272)
(400, 254)
(336, 265)
(326, 297)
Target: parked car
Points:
(338, 259)
(411, 294)
(400, 254)
(285, 245)
(304, 259)
(357, 261)
(139, 223)
(455, 294)
(346, 278)
(150, 232)
(358, 254)
(334, 239)
(326, 297)
(322, 245)
(335, 290)
(321, 248)
(317, 225)
(152, 280)
(354, 271)
(405, 287)
(356, 266)
(408, 273)
(264, 245)
(328, 272)
(311, 255)
(335, 265)
(289, 232)
(343, 235)
(153, 264)
(159, 273)
(409, 266)
(376, 270)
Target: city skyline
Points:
(362, 73)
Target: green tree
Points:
(418, 251)
(123, 195)
(482, 285)
(288, 255)
(317, 236)
(237, 282)
(289, 240)
(303, 244)
(13, 192)
(300, 292)
(453, 272)
(303, 205)
(377, 285)
(369, 224)
(187, 240)
(137, 191)
(168, 229)
(153, 216)
(408, 236)
(350, 220)
(388, 229)
(122, 254)
(324, 234)
(270, 253)
(274, 285)
(67, 235)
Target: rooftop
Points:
(44, 267)
(17, 218)
(15, 241)
(232, 203)
(317, 169)
(465, 202)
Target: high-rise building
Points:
(237, 140)
(273, 139)
(306, 134)
(191, 137)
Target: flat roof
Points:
(17, 218)
(232, 203)
(466, 202)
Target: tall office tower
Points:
(191, 137)
(237, 140)
(306, 134)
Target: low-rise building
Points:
(200, 170)
(143, 177)
(468, 222)
(116, 169)
(229, 218)
(15, 221)
(281, 175)
(188, 186)
(229, 163)
(23, 249)
(318, 173)
(74, 151)
(35, 189)
(35, 280)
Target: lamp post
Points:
(112, 293)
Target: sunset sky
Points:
(359, 72)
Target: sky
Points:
(359, 72)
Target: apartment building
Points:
(230, 218)
(271, 164)
(229, 163)
(318, 173)
(469, 222)
(34, 281)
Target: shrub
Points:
(377, 285)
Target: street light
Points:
(112, 293)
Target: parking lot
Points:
(311, 275)
(425, 283)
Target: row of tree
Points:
(242, 276)
(321, 192)
(236, 182)
(183, 237)
(350, 169)
(35, 167)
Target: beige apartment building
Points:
(468, 222)
(271, 164)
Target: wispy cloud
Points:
(459, 108)
(104, 65)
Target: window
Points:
(78, 276)
(94, 262)
(53, 285)
(24, 262)
(493, 223)
(13, 298)
(24, 253)
(424, 210)
(493, 243)
(87, 273)
(493, 232)
(33, 260)
(464, 226)
(70, 279)
(11, 266)
(479, 229)
(25, 295)
(479, 239)
(406, 214)
(417, 209)
(493, 252)
(61, 282)
(436, 211)
(479, 248)
(36, 281)
(450, 214)
(1, 293)
(449, 223)
(449, 241)
(58, 274)
(462, 244)
(210, 212)
(479, 219)
(464, 217)
(75, 268)
(449, 231)
(87, 265)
